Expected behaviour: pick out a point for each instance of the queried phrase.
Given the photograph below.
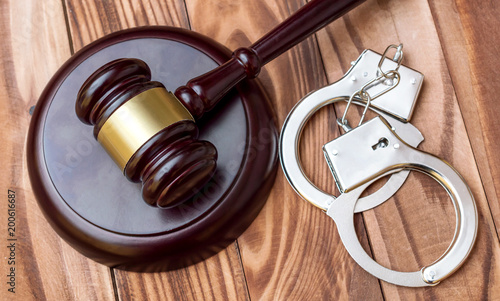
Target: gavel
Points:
(151, 133)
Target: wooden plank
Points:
(470, 46)
(292, 250)
(219, 277)
(90, 20)
(34, 44)
(416, 226)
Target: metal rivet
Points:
(353, 78)
(432, 274)
(365, 74)
(335, 152)
(353, 63)
(413, 81)
(396, 145)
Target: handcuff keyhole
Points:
(382, 143)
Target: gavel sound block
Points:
(91, 204)
(85, 196)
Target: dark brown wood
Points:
(216, 277)
(201, 94)
(117, 82)
(95, 209)
(290, 252)
(46, 268)
(98, 96)
(173, 164)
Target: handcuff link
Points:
(383, 146)
(396, 106)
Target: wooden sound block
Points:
(89, 202)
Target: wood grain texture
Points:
(416, 226)
(34, 44)
(219, 277)
(292, 251)
(289, 234)
(472, 60)
(90, 20)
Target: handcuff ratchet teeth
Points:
(383, 146)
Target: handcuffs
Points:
(383, 146)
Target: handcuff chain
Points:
(387, 77)
(398, 58)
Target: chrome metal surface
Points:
(356, 148)
(290, 157)
(398, 103)
(358, 156)
(383, 146)
(398, 58)
(365, 96)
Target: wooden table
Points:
(292, 251)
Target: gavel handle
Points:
(202, 93)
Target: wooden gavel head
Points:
(147, 131)
(151, 134)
